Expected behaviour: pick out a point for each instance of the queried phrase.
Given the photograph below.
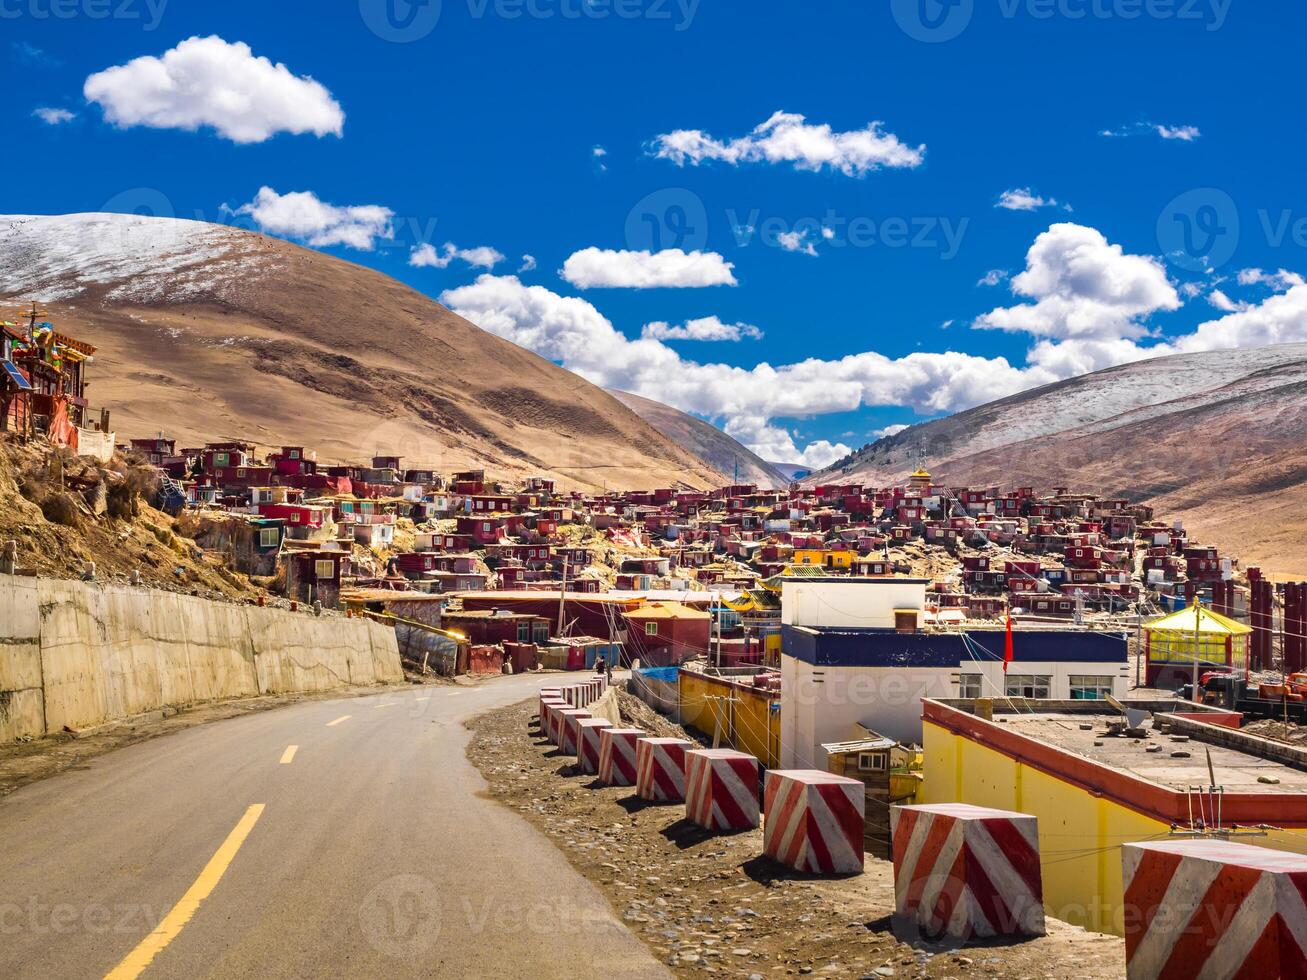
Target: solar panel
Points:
(17, 376)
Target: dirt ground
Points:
(712, 905)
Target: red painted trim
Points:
(1161, 803)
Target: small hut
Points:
(1172, 643)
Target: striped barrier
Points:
(570, 730)
(966, 872)
(814, 821)
(617, 755)
(572, 695)
(1209, 908)
(548, 694)
(721, 789)
(587, 748)
(549, 720)
(660, 769)
(557, 726)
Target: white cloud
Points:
(705, 328)
(1280, 319)
(528, 264)
(889, 430)
(993, 277)
(776, 444)
(572, 332)
(1186, 134)
(595, 267)
(599, 151)
(1219, 299)
(1084, 287)
(1024, 199)
(1090, 311)
(796, 241)
(788, 138)
(211, 82)
(480, 257)
(301, 215)
(1278, 281)
(53, 117)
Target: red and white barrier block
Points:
(572, 695)
(966, 872)
(587, 743)
(549, 720)
(548, 694)
(558, 724)
(814, 821)
(571, 731)
(660, 769)
(721, 789)
(1208, 908)
(617, 755)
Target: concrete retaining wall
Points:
(75, 654)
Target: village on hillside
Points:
(928, 642)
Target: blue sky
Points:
(1145, 149)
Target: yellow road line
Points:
(338, 720)
(134, 964)
(428, 698)
(388, 704)
(289, 755)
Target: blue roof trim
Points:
(887, 648)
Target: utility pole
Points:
(1198, 618)
(562, 594)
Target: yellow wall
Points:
(820, 556)
(748, 724)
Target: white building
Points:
(854, 653)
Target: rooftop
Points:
(1087, 735)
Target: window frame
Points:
(1036, 683)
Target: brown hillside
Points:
(207, 332)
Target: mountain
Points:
(707, 442)
(1216, 439)
(208, 332)
(791, 471)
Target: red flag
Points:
(1007, 644)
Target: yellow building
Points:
(745, 717)
(824, 558)
(1093, 791)
(919, 480)
(1173, 642)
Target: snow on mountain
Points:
(58, 257)
(1097, 402)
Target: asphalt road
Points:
(372, 856)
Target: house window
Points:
(324, 569)
(871, 761)
(523, 633)
(486, 527)
(221, 459)
(268, 537)
(1087, 687)
(650, 629)
(970, 685)
(1028, 686)
(294, 454)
